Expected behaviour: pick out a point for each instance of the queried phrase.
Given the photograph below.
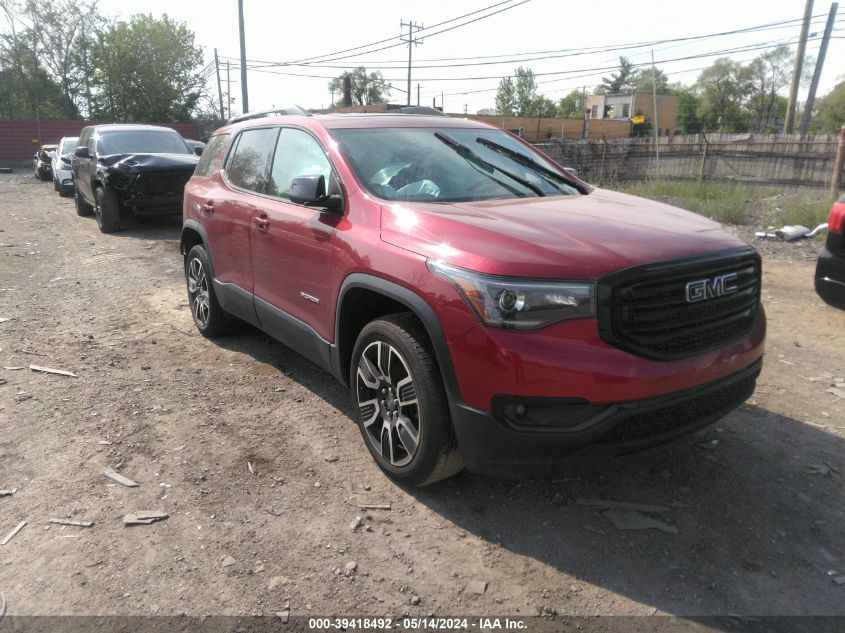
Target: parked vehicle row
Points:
(484, 306)
(62, 174)
(142, 169)
(42, 162)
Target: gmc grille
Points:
(646, 310)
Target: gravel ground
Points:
(252, 452)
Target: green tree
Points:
(571, 106)
(830, 110)
(28, 87)
(366, 88)
(145, 71)
(622, 81)
(767, 75)
(643, 80)
(542, 106)
(506, 97)
(722, 92)
(525, 91)
(688, 121)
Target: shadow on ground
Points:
(756, 500)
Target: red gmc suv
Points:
(485, 307)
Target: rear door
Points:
(228, 205)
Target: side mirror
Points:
(198, 150)
(82, 152)
(311, 191)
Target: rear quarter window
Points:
(249, 163)
(212, 156)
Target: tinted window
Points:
(212, 156)
(297, 154)
(248, 164)
(142, 142)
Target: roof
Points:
(129, 127)
(366, 120)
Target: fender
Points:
(418, 306)
(196, 226)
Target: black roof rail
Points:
(427, 110)
(291, 110)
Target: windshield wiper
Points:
(467, 154)
(526, 161)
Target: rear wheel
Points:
(211, 320)
(82, 208)
(107, 209)
(403, 413)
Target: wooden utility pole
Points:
(814, 85)
(228, 92)
(789, 124)
(219, 87)
(412, 41)
(418, 94)
(656, 122)
(244, 91)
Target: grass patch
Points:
(737, 203)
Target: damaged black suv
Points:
(118, 168)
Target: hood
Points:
(137, 163)
(563, 237)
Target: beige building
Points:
(634, 105)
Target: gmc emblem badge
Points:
(718, 286)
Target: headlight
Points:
(519, 304)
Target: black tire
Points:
(56, 186)
(378, 391)
(211, 319)
(107, 209)
(82, 208)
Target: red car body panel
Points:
(301, 250)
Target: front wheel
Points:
(107, 209)
(403, 413)
(82, 208)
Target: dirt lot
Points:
(757, 500)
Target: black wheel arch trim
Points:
(418, 306)
(198, 228)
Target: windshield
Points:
(68, 145)
(142, 142)
(449, 164)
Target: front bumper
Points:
(577, 431)
(830, 278)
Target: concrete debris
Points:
(415, 600)
(144, 518)
(123, 481)
(85, 524)
(356, 523)
(620, 505)
(275, 581)
(351, 566)
(104, 443)
(478, 587)
(49, 370)
(228, 561)
(629, 520)
(13, 368)
(284, 616)
(11, 534)
(375, 506)
(836, 391)
(8, 493)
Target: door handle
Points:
(207, 208)
(261, 222)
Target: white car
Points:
(62, 176)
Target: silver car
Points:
(62, 176)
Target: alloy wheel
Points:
(198, 292)
(387, 399)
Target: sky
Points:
(572, 36)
